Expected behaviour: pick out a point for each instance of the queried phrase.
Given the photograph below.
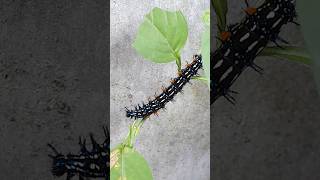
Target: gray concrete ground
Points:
(176, 144)
(53, 81)
(273, 130)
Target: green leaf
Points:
(125, 162)
(161, 36)
(221, 9)
(128, 164)
(206, 17)
(201, 78)
(288, 52)
(205, 52)
(134, 130)
(310, 28)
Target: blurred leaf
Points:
(161, 36)
(221, 9)
(206, 18)
(288, 52)
(205, 52)
(308, 12)
(128, 164)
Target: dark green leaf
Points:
(289, 53)
(221, 9)
(308, 12)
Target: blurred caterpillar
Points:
(243, 42)
(86, 164)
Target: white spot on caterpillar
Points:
(259, 50)
(246, 36)
(228, 71)
(70, 166)
(253, 28)
(227, 53)
(171, 93)
(94, 166)
(277, 22)
(78, 164)
(270, 15)
(218, 64)
(252, 46)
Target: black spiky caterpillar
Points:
(243, 42)
(86, 164)
(153, 106)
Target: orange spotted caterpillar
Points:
(159, 102)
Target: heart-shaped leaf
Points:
(161, 36)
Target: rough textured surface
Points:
(176, 143)
(273, 130)
(53, 81)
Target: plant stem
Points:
(178, 62)
(133, 132)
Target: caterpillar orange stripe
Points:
(153, 106)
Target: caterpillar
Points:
(87, 164)
(153, 106)
(243, 42)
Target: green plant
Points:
(125, 162)
(308, 11)
(160, 39)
